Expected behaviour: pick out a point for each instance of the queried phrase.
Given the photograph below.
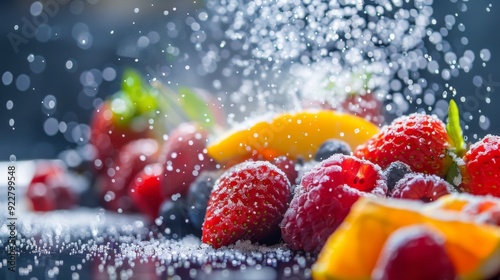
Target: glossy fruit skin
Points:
(145, 190)
(247, 203)
(331, 147)
(108, 135)
(113, 185)
(419, 140)
(414, 252)
(395, 172)
(51, 187)
(184, 156)
(424, 187)
(481, 169)
(324, 198)
(198, 195)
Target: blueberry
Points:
(174, 220)
(331, 147)
(198, 195)
(395, 172)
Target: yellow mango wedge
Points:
(353, 249)
(295, 135)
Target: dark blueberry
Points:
(174, 220)
(331, 147)
(395, 172)
(198, 195)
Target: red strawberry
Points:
(481, 168)
(414, 252)
(364, 105)
(419, 140)
(126, 116)
(325, 196)
(184, 156)
(51, 187)
(132, 158)
(421, 187)
(145, 190)
(247, 202)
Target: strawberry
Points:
(51, 187)
(113, 185)
(481, 168)
(414, 252)
(145, 190)
(247, 202)
(325, 196)
(422, 187)
(184, 156)
(419, 140)
(364, 105)
(127, 115)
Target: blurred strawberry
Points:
(51, 187)
(127, 115)
(364, 105)
(184, 156)
(113, 184)
(145, 190)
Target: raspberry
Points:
(247, 202)
(422, 187)
(145, 190)
(324, 198)
(414, 252)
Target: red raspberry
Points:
(324, 198)
(481, 169)
(419, 140)
(421, 187)
(414, 252)
(247, 202)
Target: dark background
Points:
(26, 139)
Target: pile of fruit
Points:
(321, 181)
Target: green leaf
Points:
(196, 108)
(454, 130)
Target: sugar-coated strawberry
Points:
(113, 185)
(184, 156)
(419, 140)
(247, 203)
(422, 187)
(365, 105)
(414, 252)
(145, 190)
(51, 187)
(481, 168)
(123, 117)
(325, 196)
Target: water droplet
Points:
(36, 9)
(23, 82)
(7, 78)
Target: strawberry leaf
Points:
(454, 130)
(196, 108)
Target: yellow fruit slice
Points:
(297, 134)
(353, 249)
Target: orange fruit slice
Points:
(296, 134)
(352, 251)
